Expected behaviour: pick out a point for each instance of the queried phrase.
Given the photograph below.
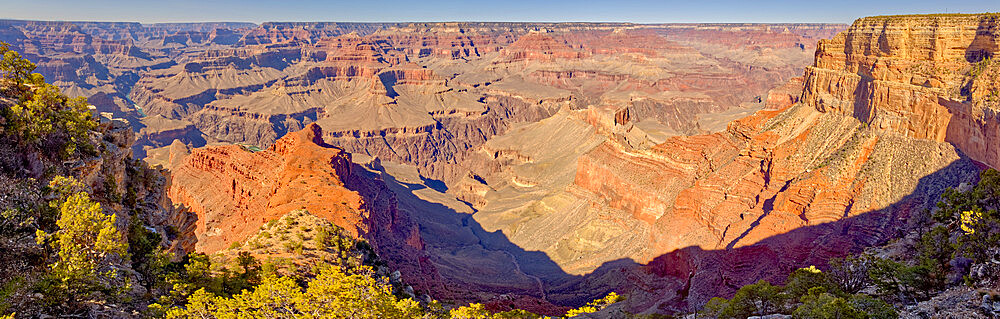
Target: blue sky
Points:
(640, 11)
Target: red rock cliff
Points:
(234, 190)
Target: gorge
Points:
(540, 166)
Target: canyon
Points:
(543, 165)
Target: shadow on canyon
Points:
(466, 254)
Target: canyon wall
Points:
(893, 111)
(434, 91)
(919, 76)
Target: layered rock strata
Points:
(928, 77)
(830, 171)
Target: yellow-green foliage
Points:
(811, 269)
(332, 294)
(64, 186)
(87, 240)
(596, 305)
(969, 218)
(478, 311)
(975, 215)
(335, 292)
(86, 237)
(41, 111)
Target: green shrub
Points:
(755, 299)
(803, 279)
(7, 290)
(875, 308)
(321, 238)
(936, 251)
(819, 304)
(253, 244)
(715, 307)
(144, 247)
(886, 275)
(42, 112)
(294, 246)
(850, 274)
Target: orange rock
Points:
(538, 46)
(235, 191)
(806, 180)
(784, 96)
(906, 74)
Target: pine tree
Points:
(88, 243)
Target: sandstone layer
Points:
(920, 76)
(894, 110)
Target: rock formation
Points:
(234, 190)
(807, 178)
(928, 77)
(424, 86)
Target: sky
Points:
(637, 11)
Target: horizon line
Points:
(412, 22)
(492, 21)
